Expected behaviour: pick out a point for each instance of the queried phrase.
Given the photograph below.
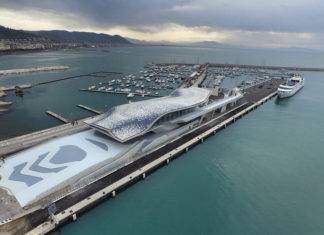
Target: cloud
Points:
(250, 15)
(273, 39)
(241, 22)
(38, 20)
(170, 32)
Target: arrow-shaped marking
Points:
(29, 180)
(36, 167)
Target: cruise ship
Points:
(46, 179)
(292, 86)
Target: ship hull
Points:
(282, 93)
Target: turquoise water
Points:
(262, 175)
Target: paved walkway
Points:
(21, 142)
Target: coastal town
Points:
(34, 44)
(18, 40)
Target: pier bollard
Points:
(74, 217)
(144, 175)
(113, 193)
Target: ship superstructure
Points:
(292, 86)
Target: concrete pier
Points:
(89, 109)
(32, 70)
(110, 184)
(121, 93)
(18, 143)
(57, 116)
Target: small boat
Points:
(5, 104)
(130, 95)
(291, 87)
(19, 91)
(126, 90)
(2, 93)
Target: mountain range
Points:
(61, 36)
(66, 37)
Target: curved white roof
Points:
(128, 121)
(31, 174)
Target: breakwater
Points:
(248, 66)
(32, 70)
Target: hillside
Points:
(10, 34)
(60, 36)
(80, 37)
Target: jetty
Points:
(26, 86)
(31, 70)
(12, 88)
(122, 93)
(57, 116)
(93, 74)
(89, 109)
(18, 143)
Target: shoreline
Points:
(26, 51)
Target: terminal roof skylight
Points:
(128, 121)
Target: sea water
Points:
(262, 175)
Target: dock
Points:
(288, 68)
(57, 116)
(32, 70)
(89, 109)
(110, 184)
(28, 86)
(122, 93)
(19, 143)
(12, 88)
(196, 78)
(93, 74)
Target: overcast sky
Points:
(257, 23)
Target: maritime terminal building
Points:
(39, 176)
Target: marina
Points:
(161, 117)
(157, 80)
(149, 82)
